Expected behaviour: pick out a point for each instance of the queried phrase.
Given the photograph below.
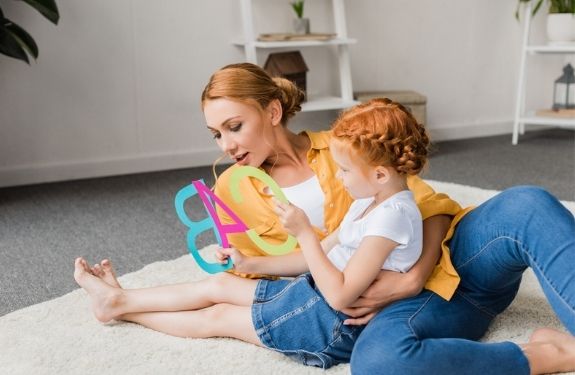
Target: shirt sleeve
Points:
(390, 223)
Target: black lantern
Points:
(564, 90)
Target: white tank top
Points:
(310, 198)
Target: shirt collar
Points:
(319, 140)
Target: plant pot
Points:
(301, 25)
(561, 28)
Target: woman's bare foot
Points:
(106, 272)
(550, 351)
(105, 299)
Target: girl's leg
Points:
(221, 320)
(109, 302)
(105, 271)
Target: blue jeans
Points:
(521, 227)
(293, 318)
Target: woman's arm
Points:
(391, 286)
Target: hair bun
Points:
(291, 96)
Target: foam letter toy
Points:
(209, 223)
(248, 171)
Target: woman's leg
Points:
(492, 246)
(550, 351)
(412, 336)
(521, 227)
(110, 302)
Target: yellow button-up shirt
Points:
(257, 212)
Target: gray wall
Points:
(116, 88)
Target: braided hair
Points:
(383, 132)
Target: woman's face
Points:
(240, 130)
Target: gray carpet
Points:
(545, 158)
(132, 220)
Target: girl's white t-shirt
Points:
(309, 197)
(397, 218)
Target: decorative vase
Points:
(561, 28)
(301, 25)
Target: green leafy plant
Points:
(298, 8)
(555, 6)
(18, 43)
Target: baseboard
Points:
(52, 172)
(475, 130)
(478, 130)
(63, 171)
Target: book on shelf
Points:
(560, 113)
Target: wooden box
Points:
(412, 100)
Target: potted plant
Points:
(300, 24)
(560, 19)
(15, 41)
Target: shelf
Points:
(532, 119)
(522, 116)
(298, 43)
(552, 49)
(325, 103)
(338, 37)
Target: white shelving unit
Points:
(341, 41)
(522, 116)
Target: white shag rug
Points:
(62, 337)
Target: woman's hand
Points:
(388, 287)
(293, 218)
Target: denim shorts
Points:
(292, 317)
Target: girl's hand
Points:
(223, 254)
(293, 218)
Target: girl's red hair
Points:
(383, 132)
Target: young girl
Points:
(375, 145)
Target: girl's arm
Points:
(292, 264)
(339, 288)
(391, 286)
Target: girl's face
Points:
(240, 130)
(358, 178)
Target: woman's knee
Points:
(536, 206)
(527, 207)
(383, 350)
(525, 198)
(529, 194)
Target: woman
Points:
(247, 112)
(490, 246)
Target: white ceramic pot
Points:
(301, 25)
(561, 28)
